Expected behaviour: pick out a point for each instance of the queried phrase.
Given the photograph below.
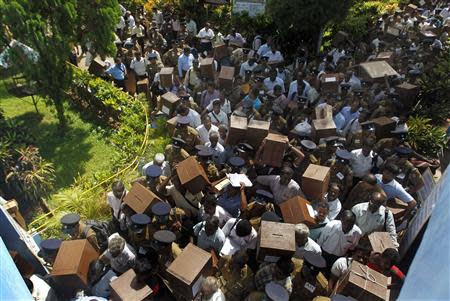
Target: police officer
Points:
(167, 218)
(165, 248)
(409, 176)
(309, 282)
(277, 122)
(235, 278)
(327, 151)
(76, 229)
(205, 157)
(307, 147)
(170, 58)
(138, 231)
(49, 249)
(235, 164)
(341, 172)
(187, 133)
(175, 153)
(356, 140)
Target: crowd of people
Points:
(369, 169)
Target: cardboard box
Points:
(207, 68)
(97, 67)
(71, 266)
(410, 8)
(315, 181)
(187, 271)
(166, 77)
(169, 102)
(375, 71)
(299, 156)
(257, 130)
(171, 125)
(329, 83)
(141, 199)
(322, 128)
(238, 130)
(380, 241)
(220, 51)
(392, 33)
(324, 112)
(127, 288)
(298, 210)
(397, 207)
(408, 94)
(226, 77)
(130, 83)
(142, 86)
(192, 175)
(383, 127)
(275, 240)
(274, 148)
(363, 283)
(387, 56)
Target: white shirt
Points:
(203, 133)
(340, 266)
(280, 192)
(41, 290)
(335, 207)
(194, 118)
(191, 27)
(138, 30)
(310, 246)
(394, 189)
(361, 165)
(370, 222)
(220, 213)
(226, 107)
(263, 49)
(246, 66)
(140, 67)
(293, 87)
(124, 261)
(218, 152)
(131, 22)
(121, 24)
(114, 203)
(218, 296)
(274, 57)
(233, 243)
(334, 241)
(205, 35)
(237, 38)
(218, 119)
(271, 84)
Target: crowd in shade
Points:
(282, 178)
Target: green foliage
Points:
(51, 27)
(426, 138)
(30, 176)
(434, 99)
(250, 26)
(363, 15)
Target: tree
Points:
(51, 28)
(306, 18)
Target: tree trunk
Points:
(60, 113)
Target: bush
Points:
(434, 99)
(426, 138)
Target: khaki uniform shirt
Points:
(190, 137)
(174, 155)
(170, 58)
(235, 286)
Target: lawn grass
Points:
(82, 150)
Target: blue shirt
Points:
(256, 102)
(117, 71)
(184, 63)
(339, 121)
(394, 189)
(231, 204)
(348, 115)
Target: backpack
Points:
(102, 231)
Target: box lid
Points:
(383, 120)
(322, 124)
(238, 122)
(189, 169)
(188, 265)
(170, 97)
(369, 280)
(166, 70)
(259, 124)
(226, 72)
(277, 138)
(277, 236)
(74, 257)
(316, 172)
(381, 241)
(296, 210)
(126, 287)
(139, 198)
(377, 70)
(206, 61)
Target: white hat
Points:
(159, 158)
(303, 128)
(276, 292)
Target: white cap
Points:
(159, 158)
(303, 128)
(276, 292)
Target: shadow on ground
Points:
(68, 153)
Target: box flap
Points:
(188, 265)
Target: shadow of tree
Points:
(68, 154)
